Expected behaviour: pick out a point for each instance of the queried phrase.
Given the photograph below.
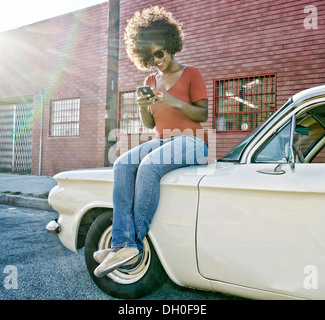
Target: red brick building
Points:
(252, 54)
(59, 67)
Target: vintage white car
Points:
(250, 224)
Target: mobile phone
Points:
(145, 90)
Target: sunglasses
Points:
(159, 54)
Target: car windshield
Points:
(235, 153)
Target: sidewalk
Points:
(25, 190)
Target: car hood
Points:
(184, 176)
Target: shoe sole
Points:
(132, 263)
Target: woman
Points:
(153, 37)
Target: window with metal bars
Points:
(241, 104)
(129, 116)
(64, 117)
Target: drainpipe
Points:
(41, 134)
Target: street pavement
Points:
(23, 190)
(36, 266)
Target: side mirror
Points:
(277, 170)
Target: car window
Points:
(276, 148)
(309, 138)
(320, 157)
(308, 143)
(236, 152)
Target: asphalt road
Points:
(36, 266)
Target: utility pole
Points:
(112, 76)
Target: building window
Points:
(241, 104)
(64, 117)
(129, 117)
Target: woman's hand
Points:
(162, 97)
(198, 111)
(146, 117)
(143, 101)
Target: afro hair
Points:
(152, 26)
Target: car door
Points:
(263, 228)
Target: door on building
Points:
(16, 122)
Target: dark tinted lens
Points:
(159, 54)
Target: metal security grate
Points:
(129, 116)
(23, 138)
(16, 137)
(64, 117)
(7, 120)
(241, 104)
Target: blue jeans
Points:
(136, 190)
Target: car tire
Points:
(133, 283)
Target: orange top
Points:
(171, 122)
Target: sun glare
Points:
(18, 13)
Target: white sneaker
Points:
(114, 260)
(100, 255)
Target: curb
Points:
(23, 201)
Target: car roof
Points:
(309, 92)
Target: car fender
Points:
(76, 193)
(71, 224)
(173, 229)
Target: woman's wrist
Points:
(144, 110)
(147, 117)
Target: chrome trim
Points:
(53, 226)
(291, 159)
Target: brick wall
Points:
(241, 38)
(67, 56)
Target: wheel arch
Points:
(88, 217)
